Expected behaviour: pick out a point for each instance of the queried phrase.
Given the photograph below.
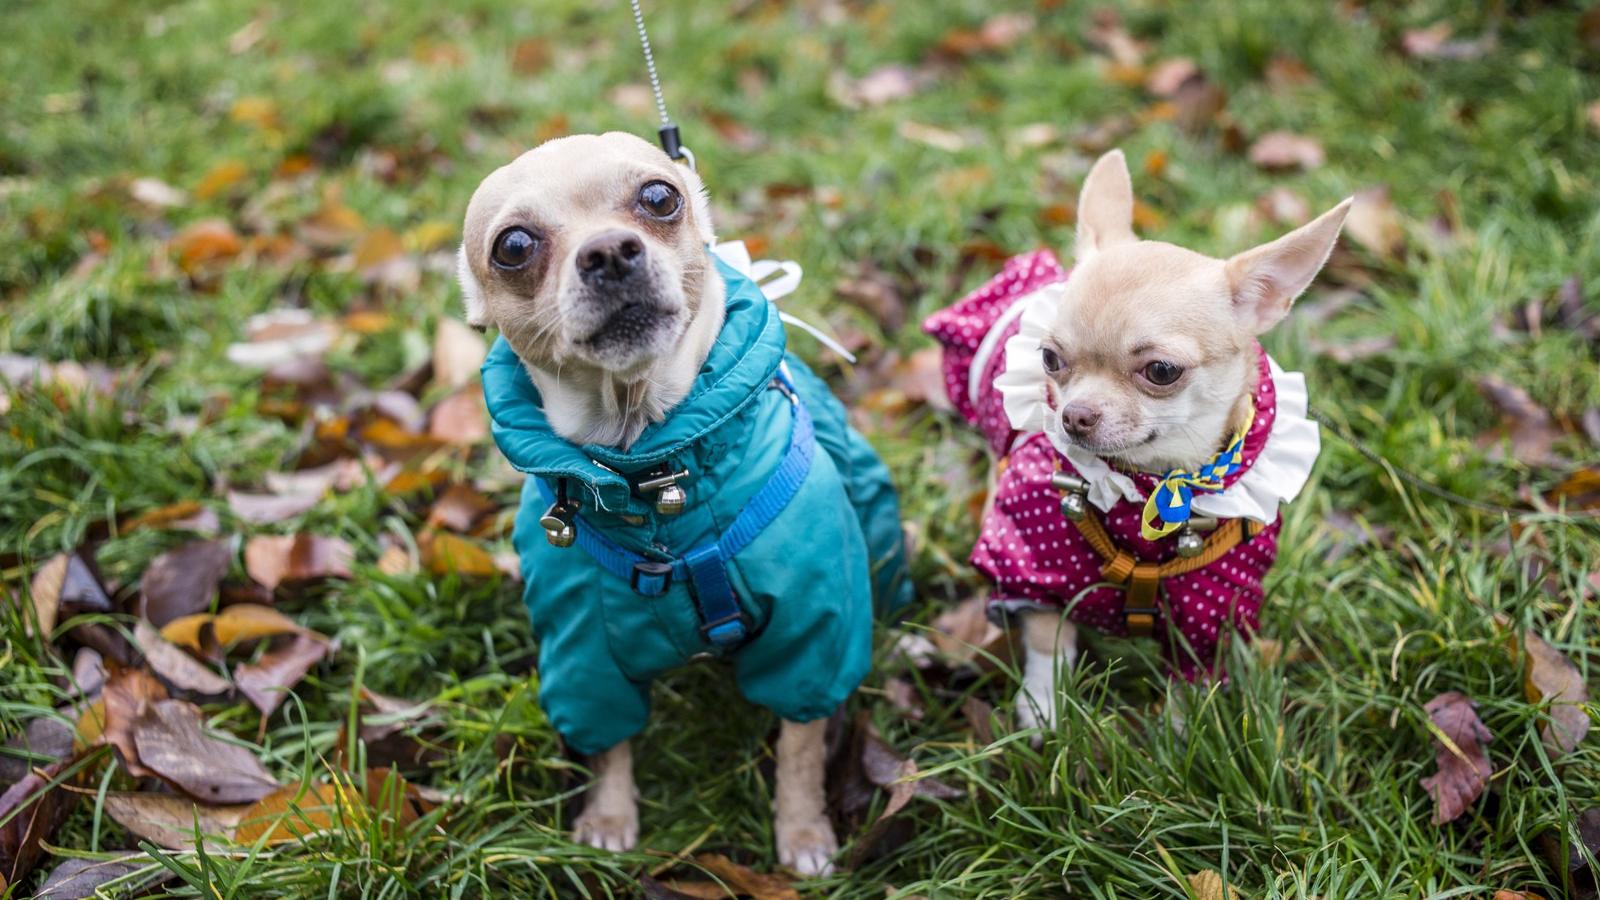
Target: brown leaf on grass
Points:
(88, 672)
(1549, 676)
(334, 224)
(1464, 767)
(902, 695)
(172, 744)
(281, 337)
(265, 509)
(180, 670)
(1355, 349)
(444, 554)
(1530, 428)
(1434, 42)
(236, 623)
(877, 292)
(530, 56)
(1592, 113)
(1278, 151)
(291, 813)
(267, 681)
(183, 581)
(31, 811)
(1208, 885)
(82, 879)
(125, 698)
(458, 351)
(966, 634)
(1580, 490)
(45, 592)
(1570, 858)
(204, 247)
(400, 733)
(745, 881)
(1283, 206)
(1107, 33)
(980, 718)
(1168, 76)
(273, 560)
(339, 475)
(1375, 224)
(169, 820)
(185, 515)
(885, 84)
(220, 178)
(996, 35)
(460, 418)
(869, 765)
(459, 508)
(1285, 73)
(45, 740)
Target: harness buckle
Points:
(1140, 620)
(726, 631)
(650, 578)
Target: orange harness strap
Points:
(1142, 580)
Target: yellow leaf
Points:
(378, 247)
(292, 812)
(1208, 885)
(445, 554)
(91, 724)
(219, 178)
(430, 235)
(262, 112)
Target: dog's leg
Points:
(800, 824)
(1050, 646)
(610, 817)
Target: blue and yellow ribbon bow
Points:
(1170, 504)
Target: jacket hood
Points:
(742, 361)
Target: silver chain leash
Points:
(668, 132)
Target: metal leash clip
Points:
(560, 521)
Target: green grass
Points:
(1298, 781)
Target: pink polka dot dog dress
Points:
(1034, 556)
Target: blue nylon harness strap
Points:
(706, 567)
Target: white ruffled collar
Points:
(1276, 476)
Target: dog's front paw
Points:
(807, 846)
(614, 830)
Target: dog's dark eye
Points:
(514, 248)
(1052, 362)
(1162, 373)
(660, 199)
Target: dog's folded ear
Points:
(1105, 206)
(471, 293)
(1266, 279)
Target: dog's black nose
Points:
(611, 256)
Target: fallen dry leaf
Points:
(128, 693)
(1530, 428)
(1208, 885)
(45, 592)
(1282, 150)
(156, 194)
(1168, 76)
(1580, 490)
(966, 634)
(184, 581)
(1570, 858)
(444, 554)
(876, 88)
(220, 178)
(31, 812)
(185, 515)
(932, 136)
(267, 681)
(172, 744)
(1375, 224)
(460, 508)
(877, 292)
(458, 351)
(290, 813)
(168, 820)
(81, 879)
(746, 881)
(45, 740)
(281, 337)
(265, 509)
(1434, 42)
(1550, 676)
(180, 670)
(205, 246)
(1464, 767)
(276, 559)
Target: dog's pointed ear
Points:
(471, 291)
(1266, 279)
(1105, 206)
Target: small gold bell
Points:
(1073, 505)
(671, 500)
(560, 525)
(560, 521)
(1190, 543)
